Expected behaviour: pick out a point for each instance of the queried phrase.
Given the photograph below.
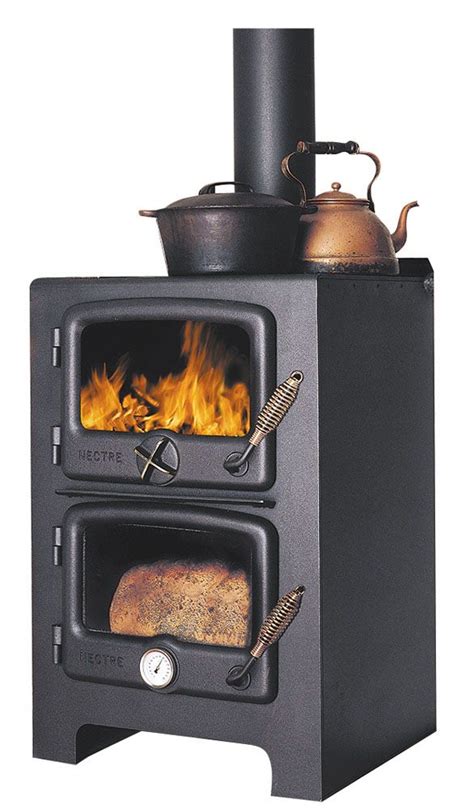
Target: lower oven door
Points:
(166, 599)
(160, 392)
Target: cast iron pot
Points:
(244, 233)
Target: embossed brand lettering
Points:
(100, 456)
(104, 660)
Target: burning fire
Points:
(196, 401)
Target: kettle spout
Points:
(399, 237)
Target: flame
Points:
(196, 401)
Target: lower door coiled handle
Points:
(272, 628)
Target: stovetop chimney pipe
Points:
(273, 106)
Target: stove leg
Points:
(91, 739)
(295, 774)
(67, 745)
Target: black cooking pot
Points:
(243, 233)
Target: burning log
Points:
(204, 602)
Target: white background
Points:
(107, 107)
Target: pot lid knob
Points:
(336, 186)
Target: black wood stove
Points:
(130, 490)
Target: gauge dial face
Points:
(158, 668)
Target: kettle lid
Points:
(336, 196)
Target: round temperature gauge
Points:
(158, 668)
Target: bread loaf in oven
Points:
(196, 601)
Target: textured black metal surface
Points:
(273, 106)
(287, 727)
(371, 534)
(376, 522)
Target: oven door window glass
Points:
(191, 377)
(145, 581)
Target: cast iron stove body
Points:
(340, 501)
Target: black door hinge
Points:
(57, 644)
(57, 546)
(56, 443)
(56, 348)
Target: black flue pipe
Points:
(273, 107)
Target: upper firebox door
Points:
(160, 392)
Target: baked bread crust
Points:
(203, 602)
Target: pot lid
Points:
(337, 196)
(244, 197)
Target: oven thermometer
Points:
(158, 668)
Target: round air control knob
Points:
(157, 459)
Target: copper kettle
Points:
(337, 231)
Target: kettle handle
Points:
(328, 147)
(240, 187)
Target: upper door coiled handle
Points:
(269, 418)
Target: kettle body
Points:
(339, 233)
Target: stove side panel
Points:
(376, 521)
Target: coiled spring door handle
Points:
(271, 416)
(271, 630)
